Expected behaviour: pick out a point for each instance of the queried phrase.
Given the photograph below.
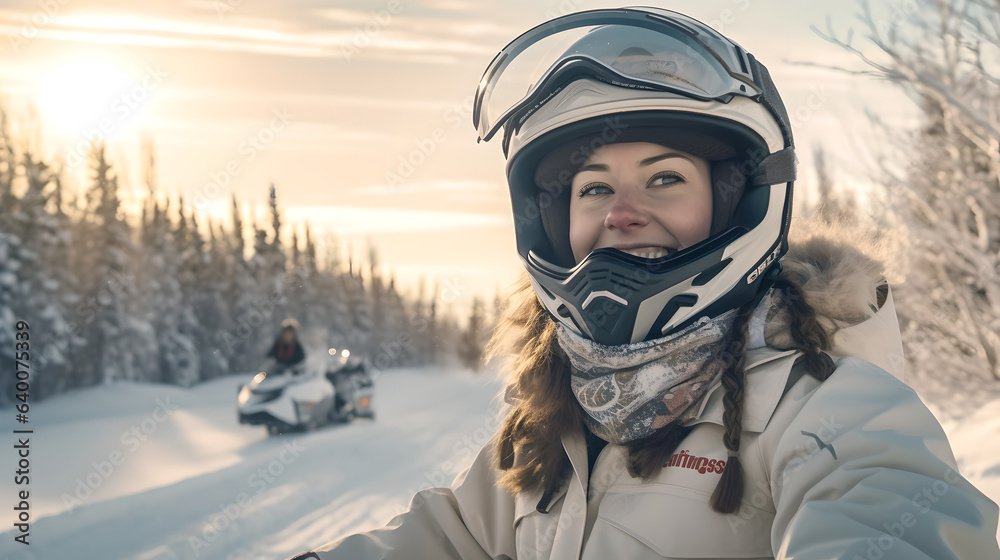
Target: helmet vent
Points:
(626, 282)
(706, 276)
(595, 278)
(675, 303)
(579, 89)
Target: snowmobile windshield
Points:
(647, 48)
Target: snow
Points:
(143, 471)
(976, 443)
(172, 475)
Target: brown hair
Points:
(545, 408)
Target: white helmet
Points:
(640, 75)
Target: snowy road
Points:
(156, 472)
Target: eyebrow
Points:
(643, 163)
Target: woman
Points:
(685, 383)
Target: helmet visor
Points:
(650, 49)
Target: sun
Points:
(81, 96)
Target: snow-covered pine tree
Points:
(10, 265)
(306, 300)
(471, 340)
(242, 340)
(213, 312)
(376, 295)
(295, 283)
(360, 334)
(201, 311)
(8, 165)
(266, 315)
(9, 253)
(121, 347)
(42, 296)
(268, 264)
(448, 335)
(422, 324)
(204, 301)
(157, 280)
(333, 288)
(398, 340)
(175, 321)
(275, 267)
(419, 323)
(434, 346)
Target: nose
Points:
(625, 215)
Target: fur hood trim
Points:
(839, 281)
(842, 276)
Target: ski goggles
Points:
(637, 48)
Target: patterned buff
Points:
(630, 390)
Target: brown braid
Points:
(809, 337)
(807, 333)
(729, 491)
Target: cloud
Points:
(452, 5)
(415, 39)
(297, 99)
(428, 187)
(354, 220)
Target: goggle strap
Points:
(776, 168)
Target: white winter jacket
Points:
(852, 468)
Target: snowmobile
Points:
(353, 384)
(298, 398)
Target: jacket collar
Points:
(767, 372)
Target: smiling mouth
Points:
(649, 252)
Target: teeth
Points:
(649, 252)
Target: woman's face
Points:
(641, 198)
(287, 336)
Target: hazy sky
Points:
(327, 99)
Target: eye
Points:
(594, 189)
(666, 178)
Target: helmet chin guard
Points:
(602, 91)
(613, 297)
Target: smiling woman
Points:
(641, 198)
(685, 381)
